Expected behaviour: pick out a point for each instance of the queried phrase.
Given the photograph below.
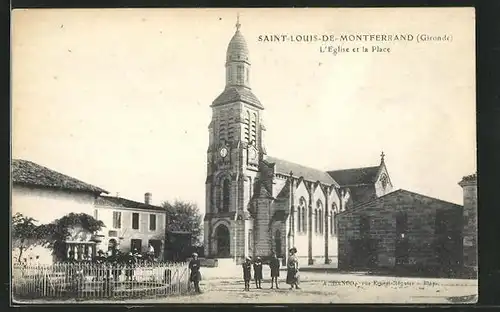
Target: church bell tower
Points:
(234, 152)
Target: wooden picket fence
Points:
(99, 280)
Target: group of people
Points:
(292, 277)
(132, 257)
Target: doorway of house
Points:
(156, 243)
(223, 242)
(136, 245)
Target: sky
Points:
(121, 98)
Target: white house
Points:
(130, 224)
(46, 195)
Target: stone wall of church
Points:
(261, 226)
(279, 238)
(206, 238)
(241, 232)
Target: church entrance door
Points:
(223, 242)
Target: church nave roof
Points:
(308, 173)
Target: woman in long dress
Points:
(292, 277)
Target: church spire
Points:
(237, 60)
(382, 157)
(238, 25)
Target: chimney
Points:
(147, 198)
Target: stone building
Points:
(401, 228)
(469, 185)
(46, 195)
(131, 224)
(256, 203)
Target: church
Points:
(257, 204)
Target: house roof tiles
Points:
(119, 202)
(28, 173)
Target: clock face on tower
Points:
(223, 152)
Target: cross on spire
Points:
(382, 156)
(238, 25)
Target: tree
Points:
(55, 233)
(24, 233)
(184, 216)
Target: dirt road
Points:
(322, 287)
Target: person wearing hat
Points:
(292, 277)
(247, 273)
(274, 265)
(257, 272)
(131, 261)
(195, 277)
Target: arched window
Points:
(229, 73)
(223, 125)
(330, 222)
(247, 126)
(334, 221)
(230, 125)
(319, 217)
(304, 214)
(301, 214)
(316, 220)
(239, 74)
(225, 195)
(384, 181)
(253, 128)
(299, 220)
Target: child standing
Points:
(247, 274)
(257, 272)
(274, 265)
